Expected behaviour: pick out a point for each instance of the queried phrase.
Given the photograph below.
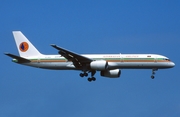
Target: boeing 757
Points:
(109, 65)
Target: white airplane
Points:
(109, 65)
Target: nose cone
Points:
(172, 64)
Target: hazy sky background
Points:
(90, 26)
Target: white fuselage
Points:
(115, 61)
(109, 65)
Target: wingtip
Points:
(53, 45)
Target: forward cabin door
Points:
(121, 58)
(155, 59)
(38, 60)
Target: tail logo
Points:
(24, 46)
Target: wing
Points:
(77, 59)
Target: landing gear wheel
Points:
(152, 77)
(153, 72)
(86, 74)
(89, 79)
(81, 74)
(93, 78)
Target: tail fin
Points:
(24, 46)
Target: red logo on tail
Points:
(24, 46)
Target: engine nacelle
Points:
(99, 65)
(111, 73)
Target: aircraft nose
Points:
(172, 64)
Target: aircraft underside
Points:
(120, 65)
(106, 72)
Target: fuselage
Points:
(115, 61)
(109, 65)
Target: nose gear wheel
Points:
(153, 73)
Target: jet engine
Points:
(111, 73)
(99, 65)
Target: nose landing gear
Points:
(153, 73)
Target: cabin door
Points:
(155, 59)
(121, 58)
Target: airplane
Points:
(109, 65)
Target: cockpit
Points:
(166, 59)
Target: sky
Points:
(85, 27)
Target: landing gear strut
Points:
(153, 73)
(92, 78)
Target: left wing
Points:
(78, 60)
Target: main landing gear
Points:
(92, 78)
(153, 73)
(83, 74)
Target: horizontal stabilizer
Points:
(18, 58)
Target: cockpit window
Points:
(167, 59)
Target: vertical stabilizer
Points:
(24, 46)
